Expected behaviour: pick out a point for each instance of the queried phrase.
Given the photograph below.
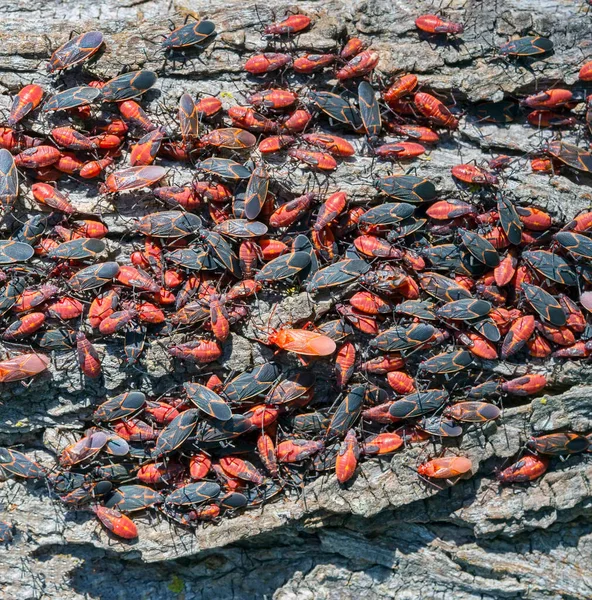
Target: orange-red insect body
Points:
(400, 150)
(131, 111)
(275, 143)
(65, 308)
(273, 99)
(249, 119)
(585, 73)
(145, 151)
(88, 358)
(199, 351)
(353, 47)
(24, 326)
(525, 386)
(445, 468)
(116, 523)
(383, 364)
(370, 303)
(473, 174)
(37, 157)
(267, 454)
(28, 99)
(219, 318)
(344, 364)
(291, 211)
(548, 99)
(434, 110)
(242, 469)
(358, 66)
(317, 160)
(347, 459)
(302, 341)
(415, 132)
(434, 24)
(209, 106)
(518, 335)
(94, 168)
(527, 468)
(330, 210)
(333, 144)
(297, 121)
(72, 139)
(267, 62)
(136, 278)
(293, 24)
(382, 443)
(401, 87)
(309, 63)
(199, 466)
(47, 195)
(22, 367)
(401, 382)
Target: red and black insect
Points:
(190, 34)
(75, 51)
(72, 98)
(434, 24)
(127, 86)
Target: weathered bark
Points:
(387, 535)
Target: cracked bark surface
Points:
(387, 534)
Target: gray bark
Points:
(387, 534)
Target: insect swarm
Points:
(151, 228)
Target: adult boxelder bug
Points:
(208, 401)
(347, 413)
(472, 412)
(191, 34)
(256, 192)
(120, 407)
(94, 276)
(232, 138)
(527, 46)
(571, 155)
(16, 463)
(75, 51)
(9, 187)
(545, 304)
(131, 498)
(369, 111)
(283, 267)
(72, 98)
(558, 443)
(169, 224)
(128, 86)
(337, 108)
(418, 403)
(176, 433)
(132, 178)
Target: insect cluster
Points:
(425, 291)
